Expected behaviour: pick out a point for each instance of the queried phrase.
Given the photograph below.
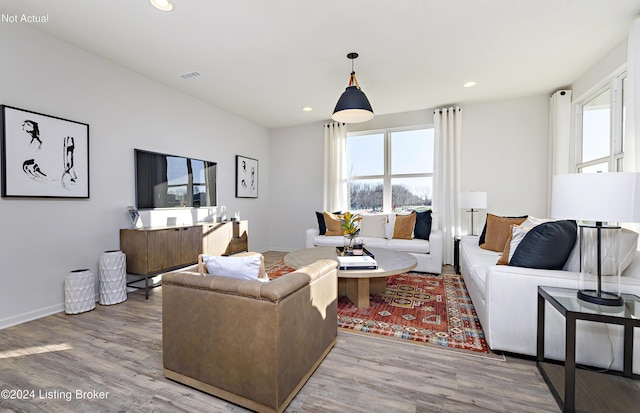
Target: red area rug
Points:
(421, 308)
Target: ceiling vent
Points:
(190, 75)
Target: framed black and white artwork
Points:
(43, 156)
(246, 177)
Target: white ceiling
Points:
(265, 60)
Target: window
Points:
(390, 170)
(600, 128)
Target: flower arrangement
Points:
(349, 224)
(351, 229)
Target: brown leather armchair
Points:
(254, 344)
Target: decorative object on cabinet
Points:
(31, 163)
(246, 177)
(79, 291)
(135, 217)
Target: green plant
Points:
(349, 224)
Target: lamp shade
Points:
(472, 200)
(352, 107)
(600, 197)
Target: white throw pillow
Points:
(242, 268)
(373, 226)
(517, 235)
(389, 226)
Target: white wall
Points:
(41, 240)
(504, 152)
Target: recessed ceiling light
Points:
(469, 84)
(164, 5)
(307, 109)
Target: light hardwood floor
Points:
(117, 350)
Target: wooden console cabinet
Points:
(225, 238)
(155, 250)
(151, 251)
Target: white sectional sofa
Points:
(428, 253)
(505, 300)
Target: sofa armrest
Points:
(435, 246)
(310, 234)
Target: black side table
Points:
(456, 254)
(565, 300)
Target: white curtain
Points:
(335, 167)
(632, 94)
(446, 182)
(560, 159)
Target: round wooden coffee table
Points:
(356, 285)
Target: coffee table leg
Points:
(358, 291)
(378, 285)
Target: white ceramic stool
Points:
(79, 291)
(113, 277)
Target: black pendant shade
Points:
(353, 105)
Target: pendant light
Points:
(353, 105)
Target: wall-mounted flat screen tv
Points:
(170, 181)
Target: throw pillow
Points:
(388, 227)
(333, 223)
(517, 234)
(498, 230)
(546, 246)
(242, 267)
(373, 226)
(483, 235)
(403, 228)
(422, 229)
(321, 225)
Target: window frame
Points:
(615, 159)
(387, 176)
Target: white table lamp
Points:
(472, 201)
(598, 198)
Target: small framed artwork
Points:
(43, 156)
(135, 217)
(246, 177)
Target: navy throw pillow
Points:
(422, 228)
(546, 246)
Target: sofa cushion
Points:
(413, 245)
(239, 267)
(546, 246)
(373, 226)
(333, 222)
(403, 227)
(422, 229)
(498, 230)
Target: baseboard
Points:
(31, 315)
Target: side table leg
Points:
(628, 351)
(540, 336)
(570, 365)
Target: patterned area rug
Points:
(422, 308)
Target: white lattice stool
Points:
(113, 277)
(79, 292)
